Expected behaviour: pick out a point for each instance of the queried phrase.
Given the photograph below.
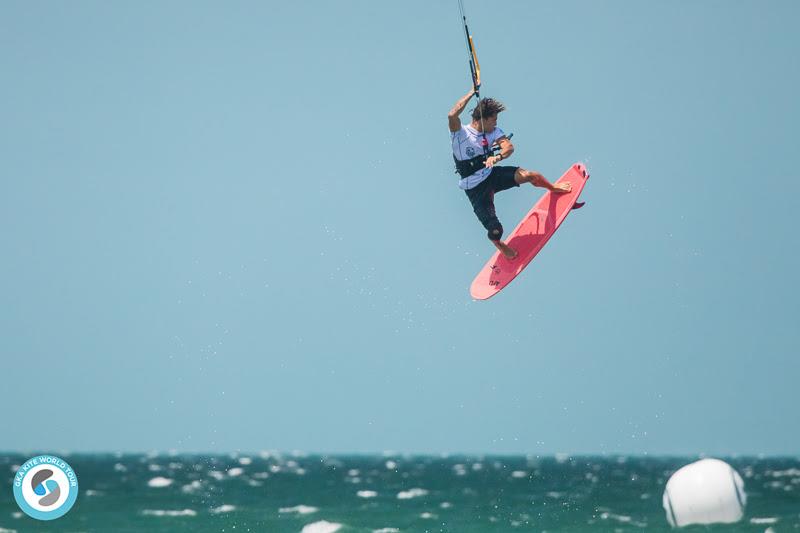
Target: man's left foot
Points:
(509, 252)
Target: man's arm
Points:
(452, 117)
(506, 149)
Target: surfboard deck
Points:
(530, 235)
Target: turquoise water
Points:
(387, 494)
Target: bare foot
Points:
(508, 251)
(560, 188)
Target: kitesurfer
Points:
(481, 176)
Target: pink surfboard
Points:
(530, 235)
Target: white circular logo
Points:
(45, 487)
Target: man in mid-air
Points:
(481, 177)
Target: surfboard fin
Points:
(578, 205)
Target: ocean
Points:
(389, 493)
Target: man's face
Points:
(489, 123)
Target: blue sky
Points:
(236, 227)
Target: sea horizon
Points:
(390, 492)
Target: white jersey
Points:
(468, 143)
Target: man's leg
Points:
(537, 180)
(488, 217)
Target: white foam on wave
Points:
(299, 509)
(194, 486)
(160, 482)
(618, 517)
(235, 472)
(791, 472)
(518, 474)
(622, 519)
(386, 530)
(170, 512)
(427, 515)
(244, 461)
(223, 509)
(411, 493)
(323, 526)
(768, 520)
(366, 494)
(3, 530)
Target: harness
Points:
(468, 167)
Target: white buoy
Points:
(709, 491)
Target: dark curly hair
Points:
(489, 107)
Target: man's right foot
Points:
(561, 188)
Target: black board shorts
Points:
(482, 195)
